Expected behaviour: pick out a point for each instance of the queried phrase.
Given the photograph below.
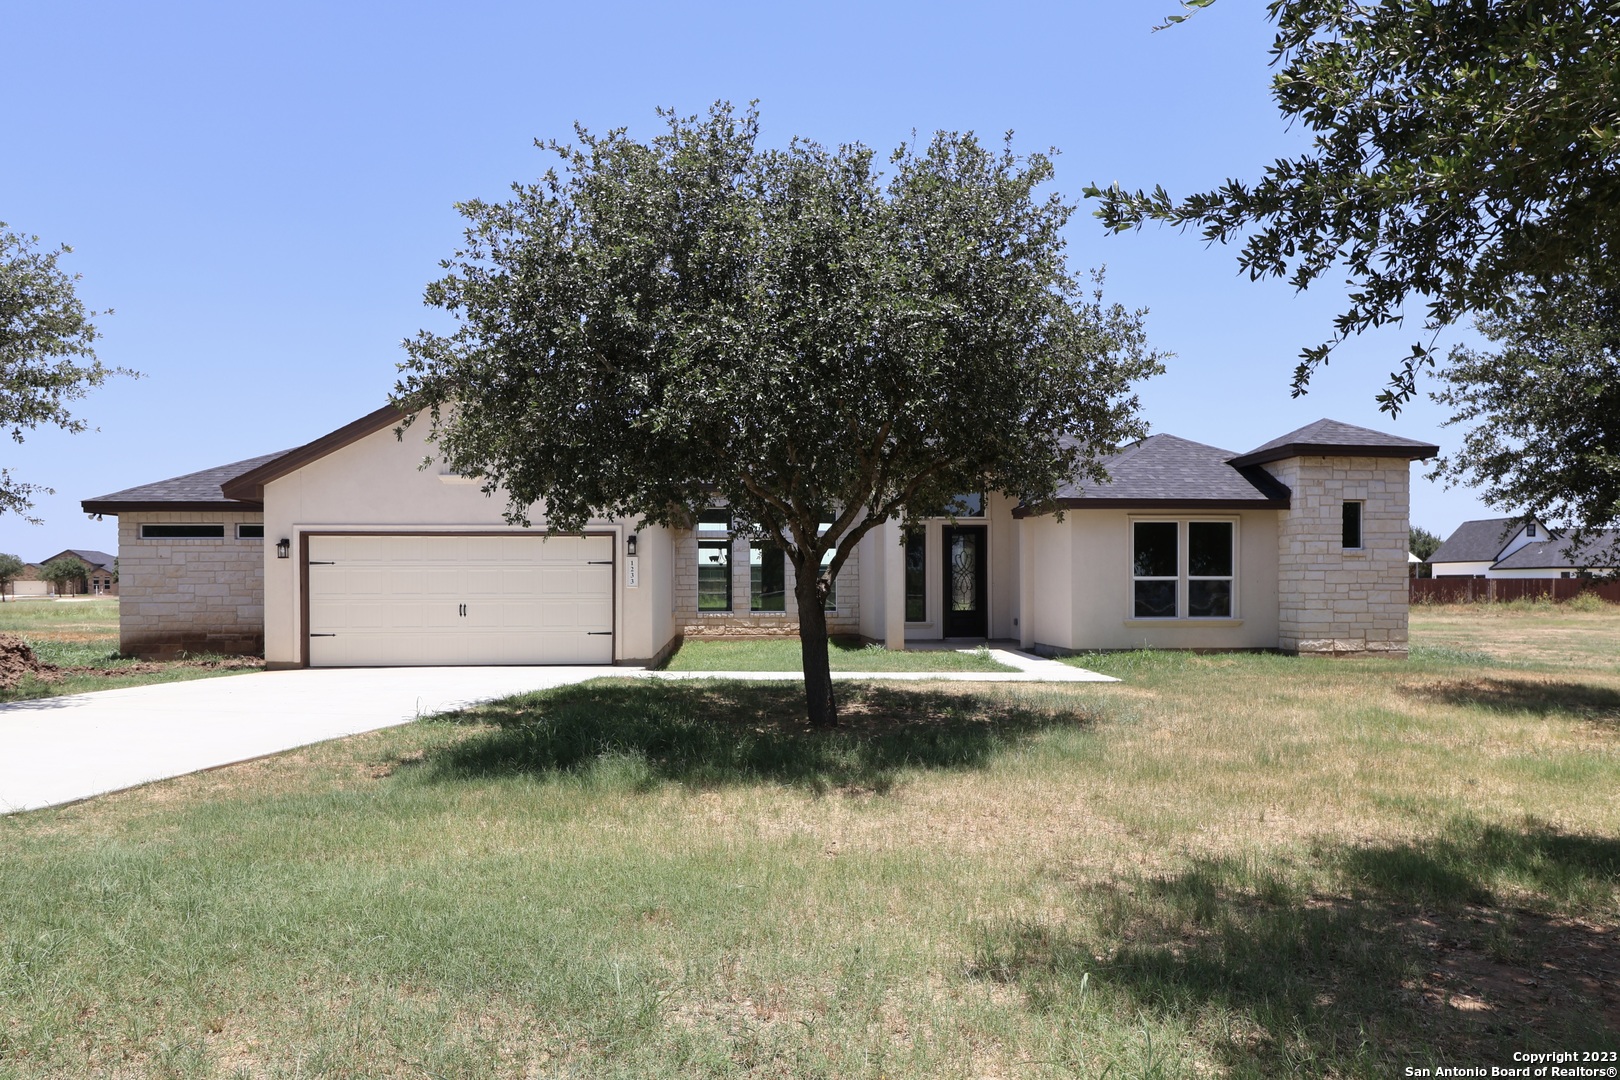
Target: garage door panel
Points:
(442, 600)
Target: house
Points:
(100, 577)
(1511, 548)
(346, 551)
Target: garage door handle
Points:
(599, 562)
(323, 635)
(319, 562)
(594, 633)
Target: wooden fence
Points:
(1467, 590)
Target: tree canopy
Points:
(47, 355)
(1462, 150)
(63, 570)
(11, 568)
(1542, 412)
(818, 343)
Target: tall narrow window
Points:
(1209, 569)
(1530, 531)
(767, 577)
(916, 576)
(1352, 526)
(1155, 569)
(714, 575)
(832, 586)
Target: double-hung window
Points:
(1183, 569)
(714, 561)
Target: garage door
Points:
(379, 601)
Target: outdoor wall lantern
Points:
(283, 548)
(630, 545)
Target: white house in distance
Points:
(1511, 548)
(344, 552)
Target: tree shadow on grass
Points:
(1459, 950)
(1539, 698)
(705, 733)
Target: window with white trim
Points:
(767, 577)
(1183, 569)
(714, 561)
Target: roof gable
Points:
(1477, 541)
(1601, 551)
(1334, 438)
(249, 485)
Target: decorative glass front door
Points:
(966, 611)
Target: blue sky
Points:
(261, 191)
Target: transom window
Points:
(183, 532)
(250, 532)
(966, 506)
(1182, 569)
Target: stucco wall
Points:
(189, 595)
(375, 484)
(1080, 585)
(1334, 601)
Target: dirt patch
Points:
(17, 661)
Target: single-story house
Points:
(100, 578)
(1511, 548)
(345, 551)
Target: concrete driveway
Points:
(57, 750)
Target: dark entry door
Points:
(966, 613)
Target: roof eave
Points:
(119, 506)
(1414, 452)
(249, 487)
(1192, 505)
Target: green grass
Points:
(844, 654)
(84, 634)
(1228, 865)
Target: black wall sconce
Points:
(283, 548)
(630, 545)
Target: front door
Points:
(966, 613)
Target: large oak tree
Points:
(1462, 151)
(798, 332)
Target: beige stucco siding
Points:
(1082, 591)
(190, 595)
(375, 485)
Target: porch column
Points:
(1026, 584)
(894, 586)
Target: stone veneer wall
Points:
(742, 623)
(190, 596)
(1332, 601)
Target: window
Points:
(767, 577)
(182, 532)
(916, 576)
(832, 586)
(1209, 569)
(965, 506)
(1163, 586)
(1352, 526)
(714, 575)
(250, 532)
(1154, 570)
(1530, 531)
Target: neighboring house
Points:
(345, 551)
(1511, 548)
(100, 577)
(29, 582)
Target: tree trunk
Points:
(818, 687)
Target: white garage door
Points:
(380, 601)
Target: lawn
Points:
(844, 654)
(81, 638)
(1241, 865)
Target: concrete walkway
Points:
(63, 749)
(1031, 668)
